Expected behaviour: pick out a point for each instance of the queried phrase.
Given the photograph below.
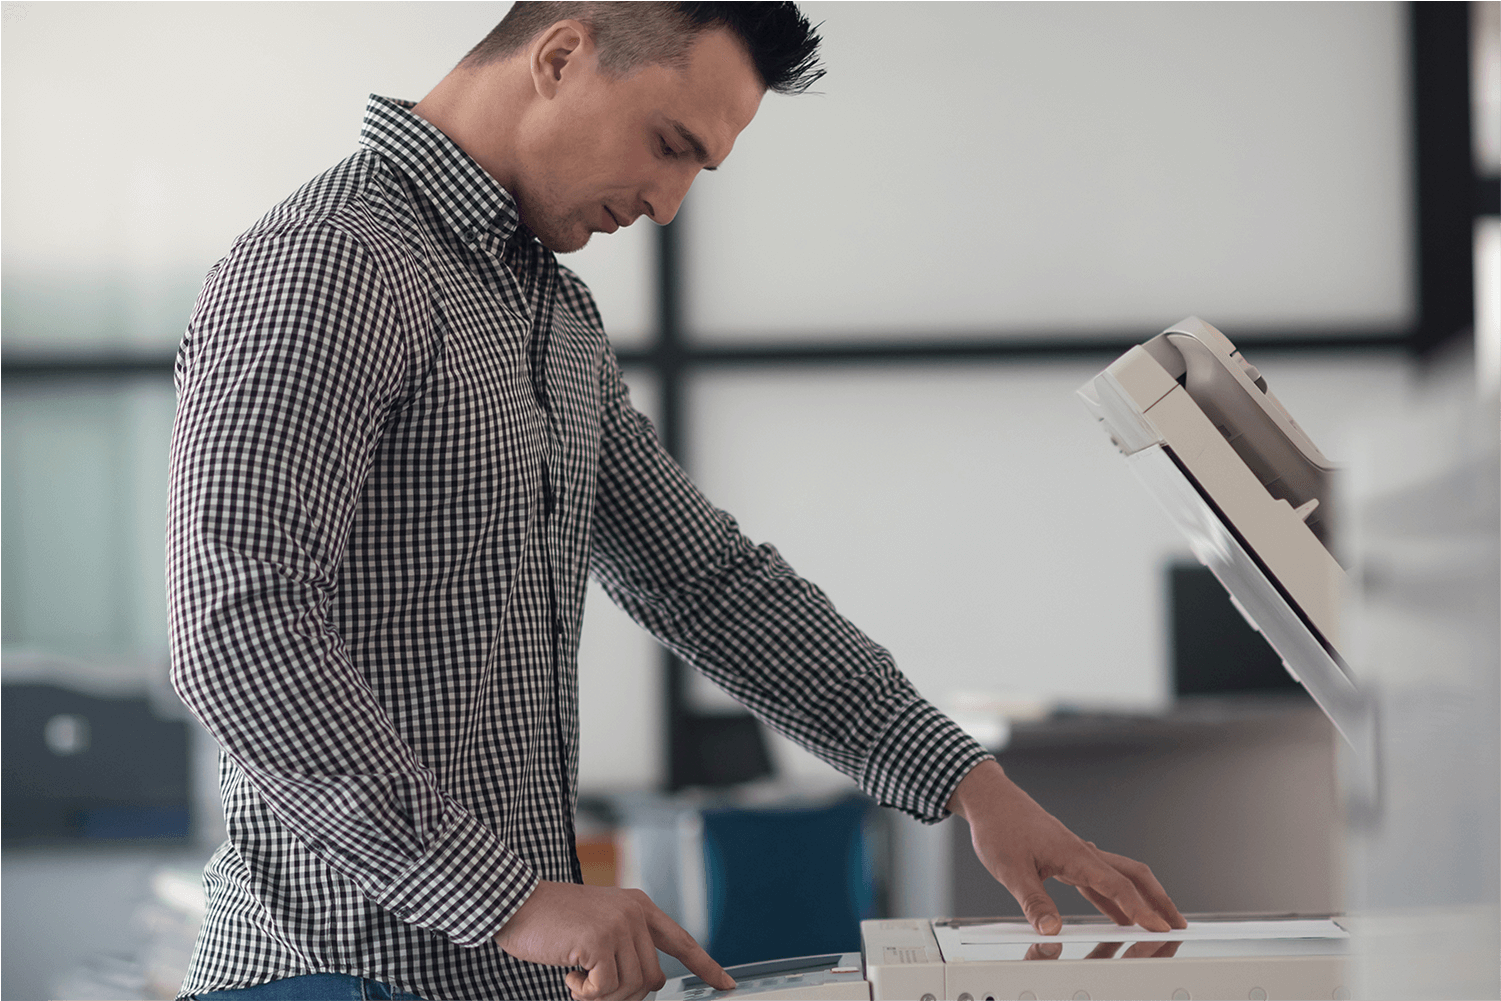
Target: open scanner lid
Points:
(1249, 490)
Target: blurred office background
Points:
(862, 337)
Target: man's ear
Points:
(559, 49)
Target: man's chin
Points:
(565, 242)
(569, 246)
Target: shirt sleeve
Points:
(737, 612)
(292, 363)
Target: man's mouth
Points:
(615, 222)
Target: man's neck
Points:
(480, 109)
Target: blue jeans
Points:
(313, 987)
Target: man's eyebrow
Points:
(700, 151)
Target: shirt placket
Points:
(538, 270)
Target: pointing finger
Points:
(673, 940)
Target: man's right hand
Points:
(613, 935)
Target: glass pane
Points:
(85, 487)
(124, 212)
(620, 270)
(646, 392)
(1068, 170)
(620, 676)
(974, 519)
(971, 519)
(620, 701)
(1485, 85)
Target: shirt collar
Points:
(469, 200)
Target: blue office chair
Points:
(787, 882)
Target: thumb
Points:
(1040, 911)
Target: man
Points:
(402, 443)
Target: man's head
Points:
(592, 114)
(781, 44)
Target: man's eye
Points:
(666, 149)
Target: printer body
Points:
(1230, 957)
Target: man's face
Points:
(606, 150)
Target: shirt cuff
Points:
(919, 761)
(465, 887)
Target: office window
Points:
(85, 486)
(1070, 170)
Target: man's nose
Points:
(666, 197)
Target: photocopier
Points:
(1252, 494)
(980, 959)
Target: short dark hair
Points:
(781, 43)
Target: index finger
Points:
(673, 940)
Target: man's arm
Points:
(736, 611)
(739, 614)
(293, 362)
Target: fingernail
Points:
(1050, 924)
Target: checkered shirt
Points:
(402, 444)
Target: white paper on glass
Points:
(1021, 933)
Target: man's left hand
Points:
(1023, 845)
